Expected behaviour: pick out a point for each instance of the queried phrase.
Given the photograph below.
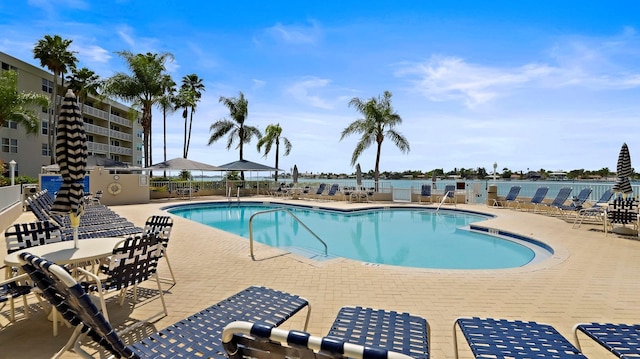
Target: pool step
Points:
(315, 254)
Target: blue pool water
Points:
(412, 237)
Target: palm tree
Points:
(235, 127)
(143, 87)
(184, 99)
(195, 88)
(379, 122)
(166, 102)
(273, 134)
(15, 105)
(53, 53)
(84, 82)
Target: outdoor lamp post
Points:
(12, 172)
(495, 166)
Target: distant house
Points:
(557, 176)
(533, 175)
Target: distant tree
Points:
(53, 53)
(19, 106)
(167, 103)
(84, 82)
(193, 88)
(482, 173)
(236, 128)
(142, 87)
(506, 173)
(378, 122)
(273, 135)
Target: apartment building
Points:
(113, 129)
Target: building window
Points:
(45, 150)
(9, 145)
(90, 138)
(10, 124)
(6, 66)
(115, 143)
(44, 127)
(47, 86)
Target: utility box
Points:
(492, 195)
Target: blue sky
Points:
(526, 84)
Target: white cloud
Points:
(296, 34)
(451, 78)
(303, 92)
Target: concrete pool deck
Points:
(590, 277)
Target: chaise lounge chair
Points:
(619, 339)
(561, 198)
(425, 192)
(196, 336)
(501, 338)
(509, 198)
(576, 203)
(536, 200)
(595, 211)
(399, 332)
(448, 195)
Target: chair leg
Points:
(166, 258)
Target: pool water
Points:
(413, 237)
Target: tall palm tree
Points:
(195, 86)
(235, 127)
(273, 135)
(166, 102)
(184, 99)
(17, 106)
(84, 82)
(143, 87)
(379, 122)
(53, 53)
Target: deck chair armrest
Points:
(273, 342)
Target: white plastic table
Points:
(64, 253)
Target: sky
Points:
(527, 85)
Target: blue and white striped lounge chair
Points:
(399, 332)
(622, 340)
(254, 340)
(333, 191)
(501, 338)
(596, 211)
(509, 198)
(425, 192)
(561, 198)
(536, 200)
(199, 335)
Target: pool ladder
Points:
(326, 252)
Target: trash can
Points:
(492, 195)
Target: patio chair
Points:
(318, 192)
(536, 200)
(509, 198)
(12, 288)
(622, 211)
(198, 335)
(95, 199)
(162, 225)
(26, 235)
(501, 338)
(596, 211)
(619, 339)
(576, 203)
(425, 192)
(255, 340)
(134, 260)
(398, 332)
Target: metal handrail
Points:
(326, 251)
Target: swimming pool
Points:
(407, 236)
